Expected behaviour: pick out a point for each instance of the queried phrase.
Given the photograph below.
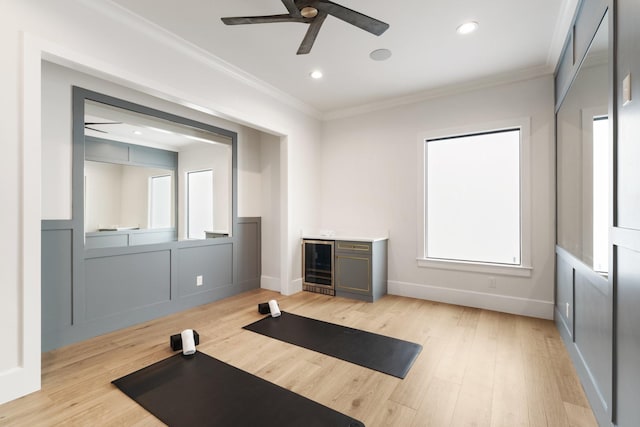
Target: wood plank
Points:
(477, 367)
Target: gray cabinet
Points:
(361, 269)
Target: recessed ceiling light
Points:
(317, 74)
(380, 54)
(137, 132)
(467, 27)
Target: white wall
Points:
(369, 179)
(118, 195)
(218, 158)
(99, 38)
(362, 177)
(249, 173)
(270, 202)
(588, 94)
(103, 203)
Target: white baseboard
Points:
(274, 284)
(294, 287)
(270, 283)
(495, 302)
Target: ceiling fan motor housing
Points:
(309, 12)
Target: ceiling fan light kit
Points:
(314, 12)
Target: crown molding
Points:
(439, 92)
(118, 13)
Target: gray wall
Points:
(626, 228)
(602, 328)
(111, 288)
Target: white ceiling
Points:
(118, 124)
(516, 37)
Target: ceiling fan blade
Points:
(292, 8)
(358, 19)
(96, 130)
(312, 33)
(240, 20)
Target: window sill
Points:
(476, 267)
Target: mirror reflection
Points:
(583, 146)
(149, 180)
(113, 197)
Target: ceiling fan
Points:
(313, 12)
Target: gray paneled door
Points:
(626, 231)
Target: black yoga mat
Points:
(203, 391)
(378, 352)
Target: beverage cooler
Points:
(318, 266)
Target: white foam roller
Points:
(188, 342)
(273, 307)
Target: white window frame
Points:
(150, 204)
(588, 117)
(524, 269)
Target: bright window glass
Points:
(160, 201)
(601, 194)
(199, 203)
(473, 206)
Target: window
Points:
(199, 203)
(601, 194)
(160, 202)
(473, 186)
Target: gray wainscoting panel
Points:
(249, 252)
(628, 337)
(594, 331)
(123, 286)
(589, 342)
(118, 284)
(214, 263)
(117, 239)
(564, 294)
(98, 240)
(56, 284)
(149, 237)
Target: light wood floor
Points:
(477, 368)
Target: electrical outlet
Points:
(492, 282)
(567, 309)
(199, 280)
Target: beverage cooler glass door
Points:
(317, 268)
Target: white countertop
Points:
(344, 237)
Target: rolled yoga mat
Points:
(378, 352)
(202, 391)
